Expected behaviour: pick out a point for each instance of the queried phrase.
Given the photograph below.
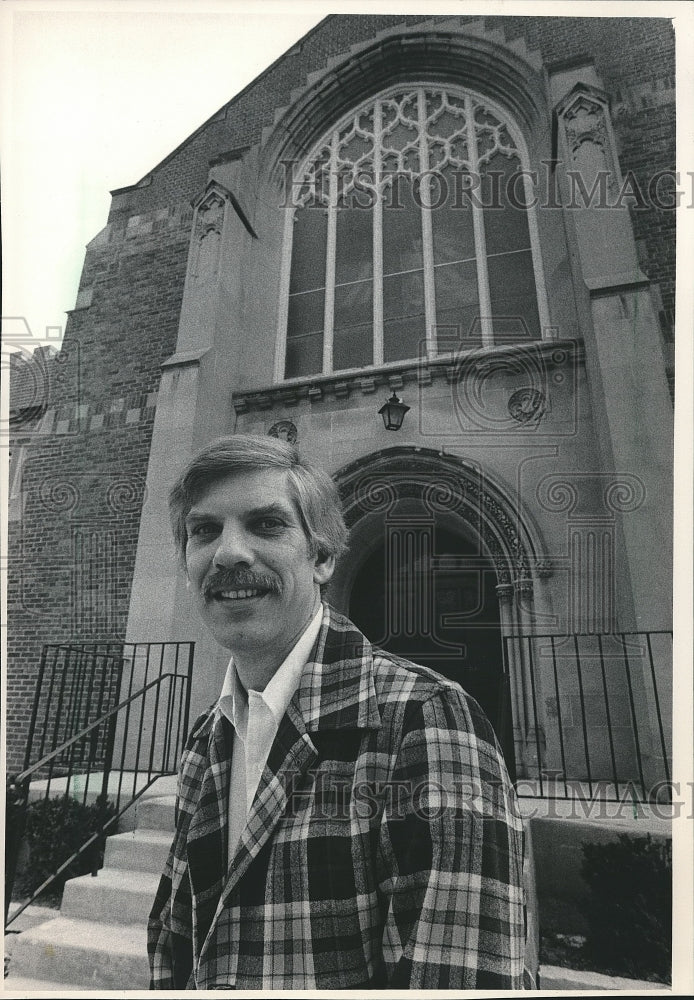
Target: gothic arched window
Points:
(409, 236)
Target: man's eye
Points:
(203, 530)
(269, 524)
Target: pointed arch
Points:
(437, 54)
(447, 484)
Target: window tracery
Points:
(410, 236)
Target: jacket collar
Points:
(336, 690)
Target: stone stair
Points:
(99, 939)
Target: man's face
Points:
(247, 560)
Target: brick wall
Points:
(83, 454)
(74, 545)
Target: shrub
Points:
(55, 829)
(629, 907)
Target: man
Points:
(344, 817)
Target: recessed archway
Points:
(441, 566)
(459, 636)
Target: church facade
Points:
(471, 217)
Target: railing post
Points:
(103, 798)
(16, 801)
(35, 708)
(189, 684)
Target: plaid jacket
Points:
(383, 848)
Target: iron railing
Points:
(108, 720)
(492, 690)
(592, 715)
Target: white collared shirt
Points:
(255, 716)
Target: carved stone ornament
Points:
(285, 430)
(211, 215)
(585, 120)
(504, 591)
(527, 404)
(524, 587)
(544, 568)
(588, 137)
(208, 237)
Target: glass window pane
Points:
(513, 297)
(308, 249)
(505, 215)
(305, 334)
(354, 244)
(353, 347)
(306, 313)
(457, 306)
(304, 356)
(402, 228)
(403, 316)
(451, 223)
(353, 326)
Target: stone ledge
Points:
(393, 377)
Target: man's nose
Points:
(233, 548)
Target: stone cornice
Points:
(450, 368)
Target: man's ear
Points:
(323, 569)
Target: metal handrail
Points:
(27, 772)
(145, 767)
(617, 748)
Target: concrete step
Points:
(97, 956)
(155, 812)
(112, 897)
(558, 979)
(19, 986)
(141, 850)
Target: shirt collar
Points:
(233, 700)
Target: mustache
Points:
(240, 579)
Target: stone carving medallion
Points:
(285, 430)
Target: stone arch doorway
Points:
(441, 566)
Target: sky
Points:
(94, 94)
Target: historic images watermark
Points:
(460, 189)
(34, 372)
(333, 796)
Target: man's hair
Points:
(312, 490)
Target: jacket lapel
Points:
(291, 755)
(337, 687)
(207, 833)
(336, 691)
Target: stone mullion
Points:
(285, 278)
(377, 268)
(480, 241)
(329, 313)
(427, 232)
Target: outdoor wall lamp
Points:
(393, 412)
